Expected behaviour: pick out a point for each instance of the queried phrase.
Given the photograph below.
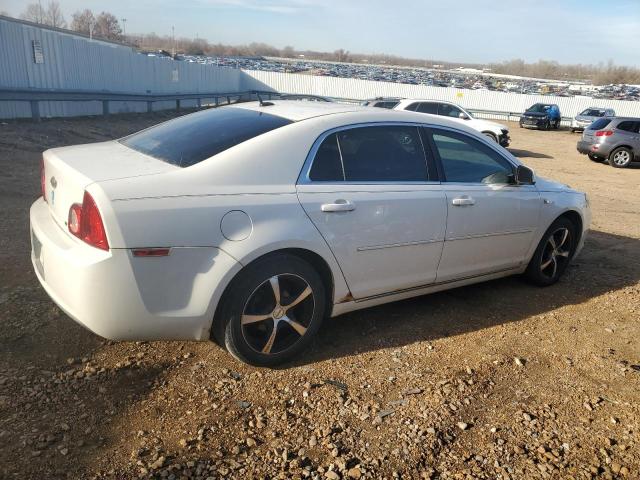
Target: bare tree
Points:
(53, 16)
(107, 26)
(34, 13)
(288, 52)
(82, 21)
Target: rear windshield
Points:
(193, 138)
(599, 124)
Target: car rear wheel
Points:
(620, 157)
(274, 308)
(553, 254)
(594, 158)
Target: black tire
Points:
(547, 125)
(573, 130)
(541, 270)
(593, 158)
(252, 295)
(557, 125)
(620, 157)
(490, 136)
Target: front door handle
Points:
(338, 206)
(462, 201)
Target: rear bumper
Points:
(121, 297)
(597, 149)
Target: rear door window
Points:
(599, 124)
(390, 153)
(628, 126)
(327, 164)
(193, 138)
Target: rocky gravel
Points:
(493, 381)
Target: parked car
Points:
(616, 139)
(541, 115)
(588, 116)
(382, 102)
(495, 131)
(250, 223)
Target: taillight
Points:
(42, 182)
(604, 133)
(85, 223)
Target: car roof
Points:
(336, 114)
(296, 110)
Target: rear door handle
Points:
(338, 206)
(462, 201)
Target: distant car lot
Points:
(413, 76)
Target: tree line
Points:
(107, 26)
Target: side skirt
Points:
(341, 308)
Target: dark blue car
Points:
(541, 115)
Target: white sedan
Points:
(495, 131)
(249, 224)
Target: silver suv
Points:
(616, 139)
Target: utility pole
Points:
(173, 42)
(124, 27)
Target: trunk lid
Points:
(69, 170)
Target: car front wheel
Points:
(553, 254)
(620, 157)
(273, 309)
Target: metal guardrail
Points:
(511, 115)
(35, 96)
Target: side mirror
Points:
(524, 176)
(463, 116)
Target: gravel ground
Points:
(498, 380)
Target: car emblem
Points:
(54, 182)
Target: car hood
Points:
(547, 185)
(481, 124)
(536, 114)
(586, 118)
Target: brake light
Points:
(85, 223)
(604, 133)
(42, 182)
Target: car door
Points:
(490, 220)
(371, 194)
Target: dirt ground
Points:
(497, 380)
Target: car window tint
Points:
(599, 124)
(382, 154)
(465, 159)
(413, 106)
(428, 107)
(447, 110)
(193, 138)
(628, 126)
(327, 165)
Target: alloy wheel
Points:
(621, 157)
(278, 313)
(556, 252)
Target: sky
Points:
(467, 31)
